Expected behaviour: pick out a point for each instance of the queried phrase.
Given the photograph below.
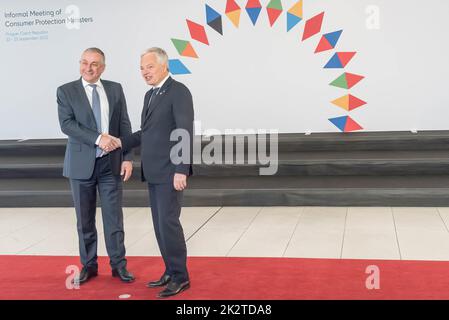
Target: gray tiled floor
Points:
(306, 232)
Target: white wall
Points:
(252, 77)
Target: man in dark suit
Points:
(167, 109)
(89, 109)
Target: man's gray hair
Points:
(161, 55)
(97, 50)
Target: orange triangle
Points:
(297, 9)
(342, 102)
(234, 16)
(189, 51)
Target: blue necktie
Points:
(96, 108)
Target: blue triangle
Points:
(211, 14)
(177, 67)
(292, 21)
(333, 37)
(334, 63)
(253, 14)
(340, 122)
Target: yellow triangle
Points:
(234, 16)
(342, 102)
(297, 9)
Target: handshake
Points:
(109, 143)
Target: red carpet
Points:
(44, 277)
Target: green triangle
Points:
(275, 4)
(180, 45)
(340, 82)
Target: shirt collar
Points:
(86, 84)
(162, 82)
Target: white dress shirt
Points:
(157, 89)
(162, 83)
(104, 104)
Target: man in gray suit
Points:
(167, 109)
(89, 110)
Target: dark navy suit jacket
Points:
(170, 109)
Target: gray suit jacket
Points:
(172, 108)
(78, 123)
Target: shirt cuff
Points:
(97, 142)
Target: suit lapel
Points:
(108, 90)
(161, 94)
(85, 104)
(145, 107)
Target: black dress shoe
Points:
(159, 283)
(123, 274)
(174, 288)
(86, 273)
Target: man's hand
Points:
(180, 181)
(117, 142)
(109, 143)
(127, 170)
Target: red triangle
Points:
(197, 32)
(313, 26)
(355, 102)
(253, 4)
(353, 79)
(324, 45)
(273, 14)
(351, 125)
(231, 5)
(345, 57)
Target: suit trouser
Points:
(84, 194)
(166, 210)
